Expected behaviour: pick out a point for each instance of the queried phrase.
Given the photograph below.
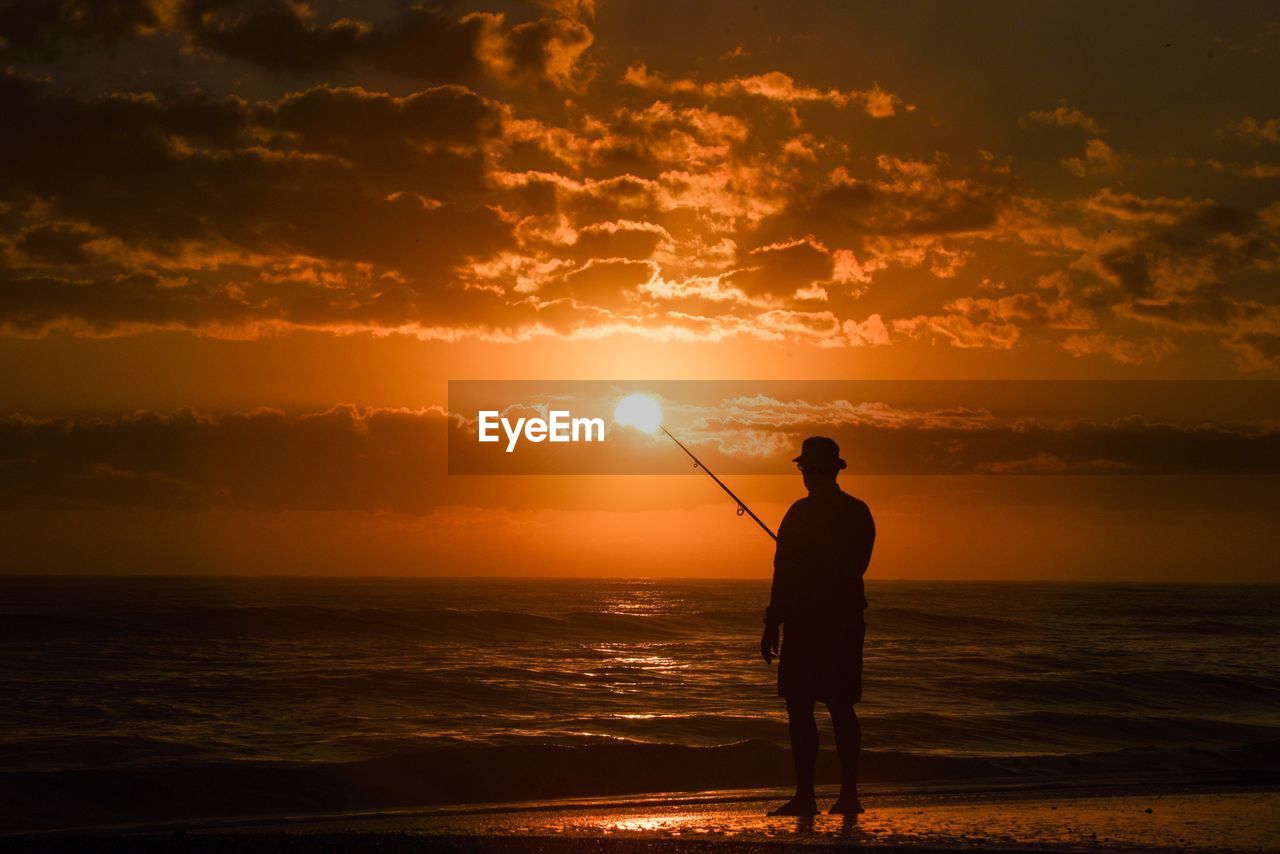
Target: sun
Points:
(639, 411)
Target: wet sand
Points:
(1064, 820)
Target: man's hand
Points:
(769, 643)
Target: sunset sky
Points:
(247, 245)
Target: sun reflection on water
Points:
(652, 823)
(641, 601)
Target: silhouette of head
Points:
(819, 462)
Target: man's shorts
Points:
(822, 662)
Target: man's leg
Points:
(844, 718)
(804, 753)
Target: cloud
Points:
(348, 458)
(749, 434)
(158, 171)
(869, 333)
(772, 86)
(1255, 130)
(620, 239)
(552, 201)
(1132, 208)
(782, 269)
(602, 282)
(1126, 351)
(1255, 169)
(1000, 323)
(354, 122)
(1258, 350)
(187, 182)
(903, 198)
(41, 28)
(544, 52)
(641, 140)
(1058, 313)
(263, 302)
(339, 459)
(55, 245)
(1131, 270)
(1247, 327)
(1064, 116)
(418, 41)
(1187, 266)
(961, 331)
(1098, 157)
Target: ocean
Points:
(137, 699)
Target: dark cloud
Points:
(279, 35)
(545, 52)
(347, 458)
(1124, 351)
(55, 245)
(621, 197)
(1208, 308)
(1182, 265)
(432, 142)
(341, 459)
(903, 199)
(42, 28)
(349, 120)
(1173, 231)
(772, 86)
(887, 441)
(1260, 350)
(604, 282)
(32, 305)
(417, 41)
(689, 205)
(1130, 269)
(188, 166)
(660, 136)
(782, 269)
(1124, 447)
(242, 302)
(162, 173)
(626, 239)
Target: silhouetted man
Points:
(824, 546)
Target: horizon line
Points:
(648, 578)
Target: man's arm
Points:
(870, 524)
(865, 526)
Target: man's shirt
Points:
(824, 547)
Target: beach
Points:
(1243, 819)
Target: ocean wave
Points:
(305, 621)
(309, 694)
(1131, 689)
(1067, 731)
(536, 770)
(919, 622)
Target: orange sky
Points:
(214, 207)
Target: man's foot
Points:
(801, 805)
(846, 805)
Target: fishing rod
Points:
(697, 463)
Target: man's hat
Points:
(819, 452)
